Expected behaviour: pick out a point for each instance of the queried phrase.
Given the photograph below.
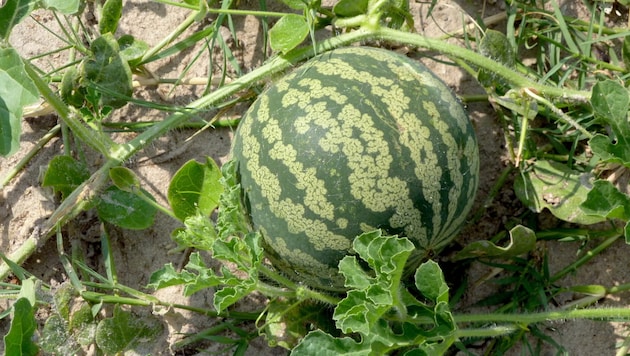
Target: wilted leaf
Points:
(522, 240)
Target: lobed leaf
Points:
(124, 331)
(431, 283)
(322, 344)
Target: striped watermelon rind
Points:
(354, 140)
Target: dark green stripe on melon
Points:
(354, 140)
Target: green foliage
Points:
(16, 91)
(567, 133)
(19, 340)
(64, 174)
(129, 210)
(195, 187)
(288, 32)
(111, 13)
(124, 331)
(107, 71)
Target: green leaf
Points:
(430, 282)
(110, 15)
(64, 174)
(554, 186)
(132, 49)
(296, 4)
(195, 187)
(350, 8)
(367, 302)
(606, 201)
(522, 240)
(66, 7)
(611, 102)
(322, 344)
(108, 71)
(198, 233)
(288, 33)
(287, 322)
(625, 51)
(167, 276)
(124, 331)
(19, 340)
(12, 13)
(125, 209)
(124, 178)
(16, 91)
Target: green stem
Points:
(514, 78)
(493, 331)
(526, 319)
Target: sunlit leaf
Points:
(606, 201)
(12, 13)
(67, 7)
(288, 32)
(124, 178)
(16, 91)
(319, 343)
(556, 187)
(108, 71)
(110, 15)
(611, 102)
(430, 282)
(195, 187)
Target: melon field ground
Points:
(579, 259)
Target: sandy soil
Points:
(24, 204)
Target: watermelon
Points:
(354, 140)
